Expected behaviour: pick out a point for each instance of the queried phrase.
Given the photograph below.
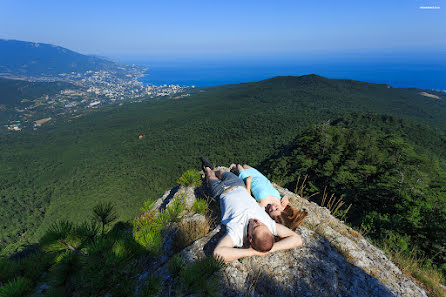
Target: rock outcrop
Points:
(335, 260)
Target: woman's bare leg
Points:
(236, 168)
(219, 173)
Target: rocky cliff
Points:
(335, 260)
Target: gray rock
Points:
(335, 260)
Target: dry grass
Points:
(354, 233)
(299, 189)
(189, 231)
(213, 212)
(346, 253)
(413, 266)
(334, 205)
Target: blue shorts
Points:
(228, 179)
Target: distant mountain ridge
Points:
(31, 59)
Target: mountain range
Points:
(41, 60)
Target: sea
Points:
(424, 72)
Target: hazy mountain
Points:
(25, 59)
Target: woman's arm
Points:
(284, 201)
(248, 184)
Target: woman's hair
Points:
(291, 217)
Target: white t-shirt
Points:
(237, 208)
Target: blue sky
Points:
(201, 28)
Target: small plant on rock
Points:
(147, 232)
(198, 278)
(147, 228)
(200, 206)
(190, 178)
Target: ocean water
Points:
(408, 72)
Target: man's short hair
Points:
(262, 241)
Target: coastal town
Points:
(90, 90)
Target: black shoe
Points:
(206, 163)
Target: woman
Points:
(268, 197)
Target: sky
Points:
(228, 28)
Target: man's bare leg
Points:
(210, 174)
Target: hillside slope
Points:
(13, 92)
(64, 169)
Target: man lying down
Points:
(246, 222)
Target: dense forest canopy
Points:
(14, 92)
(62, 170)
(394, 180)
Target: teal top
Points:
(261, 187)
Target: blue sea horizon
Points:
(405, 73)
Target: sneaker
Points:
(206, 163)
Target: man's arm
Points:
(225, 250)
(288, 239)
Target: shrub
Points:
(175, 209)
(175, 265)
(147, 228)
(198, 277)
(148, 206)
(16, 288)
(55, 292)
(104, 213)
(147, 232)
(152, 286)
(190, 178)
(411, 263)
(8, 269)
(67, 264)
(35, 265)
(58, 236)
(200, 206)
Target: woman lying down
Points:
(268, 197)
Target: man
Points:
(246, 222)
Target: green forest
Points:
(381, 149)
(62, 170)
(392, 172)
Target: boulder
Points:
(335, 260)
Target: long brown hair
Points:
(291, 217)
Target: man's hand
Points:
(288, 239)
(225, 250)
(257, 253)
